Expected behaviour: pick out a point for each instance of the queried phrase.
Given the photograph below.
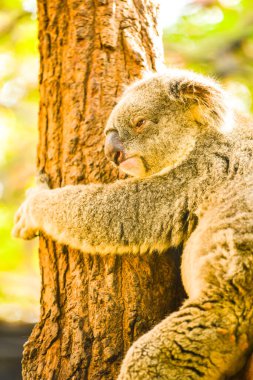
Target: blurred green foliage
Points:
(214, 37)
(19, 280)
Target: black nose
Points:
(114, 149)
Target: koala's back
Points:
(221, 247)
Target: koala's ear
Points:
(207, 100)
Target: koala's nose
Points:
(114, 149)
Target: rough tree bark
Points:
(92, 307)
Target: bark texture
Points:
(92, 307)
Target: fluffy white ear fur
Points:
(209, 100)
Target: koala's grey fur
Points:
(193, 155)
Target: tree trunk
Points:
(92, 307)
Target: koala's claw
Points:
(23, 226)
(25, 223)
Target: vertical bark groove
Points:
(92, 307)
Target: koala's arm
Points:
(129, 215)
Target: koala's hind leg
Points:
(200, 341)
(206, 339)
(210, 337)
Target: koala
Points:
(189, 157)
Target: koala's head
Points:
(158, 120)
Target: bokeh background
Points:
(19, 275)
(214, 37)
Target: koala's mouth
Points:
(133, 165)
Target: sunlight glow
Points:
(28, 71)
(7, 64)
(30, 6)
(229, 3)
(170, 11)
(209, 16)
(11, 92)
(240, 96)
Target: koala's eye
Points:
(140, 123)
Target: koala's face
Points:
(152, 127)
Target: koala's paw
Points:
(23, 225)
